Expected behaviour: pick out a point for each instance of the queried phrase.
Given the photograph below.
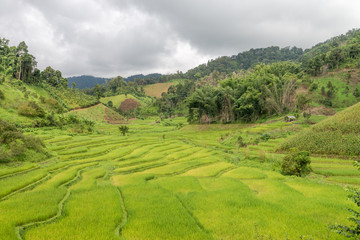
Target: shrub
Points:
(31, 109)
(240, 142)
(307, 116)
(313, 87)
(14, 145)
(265, 137)
(356, 93)
(71, 119)
(4, 154)
(17, 147)
(302, 101)
(54, 105)
(327, 102)
(296, 163)
(352, 231)
(9, 136)
(2, 96)
(123, 129)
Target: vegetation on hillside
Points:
(267, 89)
(338, 52)
(15, 146)
(339, 135)
(245, 60)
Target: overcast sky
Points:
(124, 37)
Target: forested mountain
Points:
(338, 52)
(150, 78)
(245, 60)
(86, 81)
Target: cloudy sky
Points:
(124, 37)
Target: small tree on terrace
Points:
(124, 129)
(296, 163)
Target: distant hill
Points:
(86, 81)
(245, 60)
(336, 53)
(338, 135)
(152, 76)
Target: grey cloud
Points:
(230, 26)
(123, 37)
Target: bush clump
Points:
(296, 163)
(124, 130)
(15, 145)
(31, 109)
(2, 95)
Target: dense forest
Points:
(87, 81)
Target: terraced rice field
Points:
(163, 183)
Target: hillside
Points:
(117, 100)
(149, 78)
(246, 59)
(22, 103)
(336, 53)
(88, 81)
(338, 135)
(155, 90)
(99, 113)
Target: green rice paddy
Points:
(161, 182)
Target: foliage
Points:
(31, 109)
(265, 136)
(338, 135)
(352, 231)
(124, 129)
(53, 78)
(296, 163)
(307, 116)
(245, 60)
(342, 50)
(265, 89)
(15, 145)
(302, 101)
(71, 98)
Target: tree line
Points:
(17, 63)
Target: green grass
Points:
(194, 183)
(337, 135)
(99, 113)
(118, 99)
(341, 98)
(80, 223)
(155, 90)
